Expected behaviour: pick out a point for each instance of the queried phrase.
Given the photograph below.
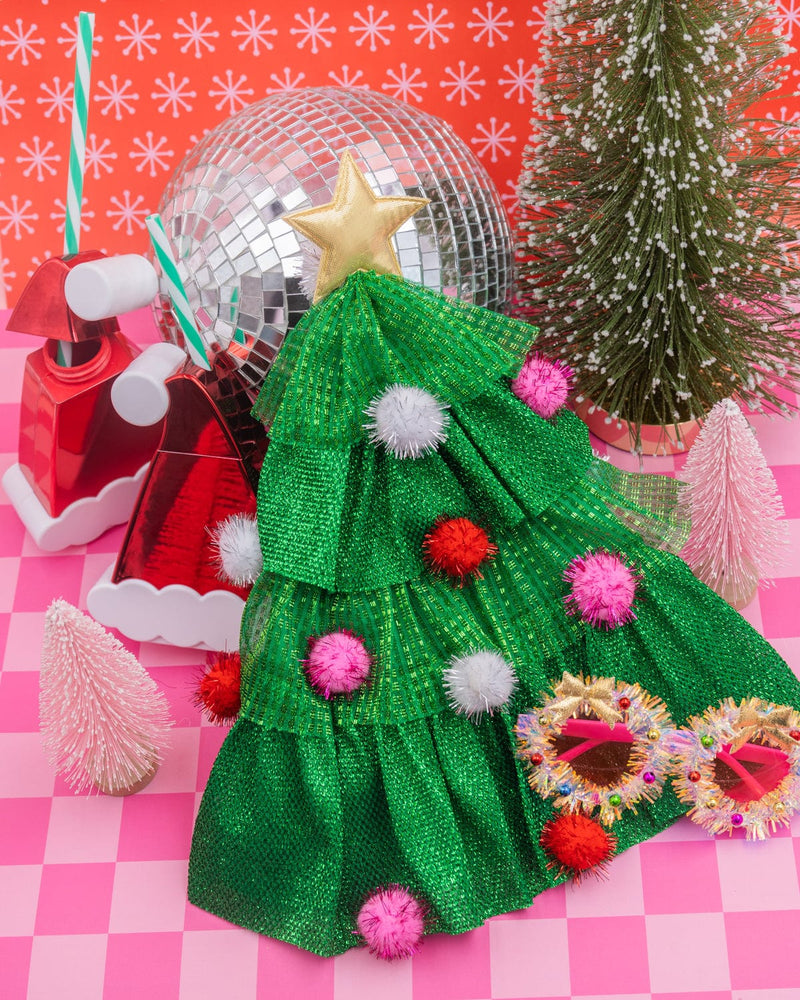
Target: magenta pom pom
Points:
(542, 384)
(337, 663)
(603, 589)
(392, 922)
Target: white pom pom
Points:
(408, 420)
(309, 268)
(479, 682)
(238, 549)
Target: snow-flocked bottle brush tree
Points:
(657, 217)
(104, 721)
(738, 533)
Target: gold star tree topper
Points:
(354, 229)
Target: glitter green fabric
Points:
(369, 334)
(354, 518)
(311, 804)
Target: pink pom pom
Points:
(603, 589)
(392, 922)
(337, 663)
(542, 384)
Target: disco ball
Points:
(249, 276)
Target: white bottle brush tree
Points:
(104, 722)
(737, 536)
(657, 214)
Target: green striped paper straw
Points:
(180, 303)
(77, 146)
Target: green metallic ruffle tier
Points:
(312, 803)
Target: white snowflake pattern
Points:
(254, 34)
(8, 102)
(234, 94)
(6, 274)
(196, 35)
(346, 78)
(788, 117)
(14, 218)
(57, 99)
(511, 197)
(288, 82)
(117, 97)
(138, 37)
(96, 156)
(371, 28)
(784, 114)
(538, 22)
(36, 263)
(39, 158)
(431, 26)
(22, 42)
(60, 215)
(150, 153)
(70, 40)
(462, 83)
(789, 12)
(405, 85)
(174, 97)
(194, 138)
(313, 30)
(519, 81)
(129, 214)
(490, 24)
(493, 139)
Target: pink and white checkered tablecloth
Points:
(92, 889)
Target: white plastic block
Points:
(139, 394)
(110, 286)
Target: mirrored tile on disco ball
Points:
(249, 275)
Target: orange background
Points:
(204, 52)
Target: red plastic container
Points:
(71, 441)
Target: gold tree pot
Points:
(654, 439)
(137, 786)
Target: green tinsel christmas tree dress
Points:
(387, 680)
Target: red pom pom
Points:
(337, 663)
(543, 385)
(218, 693)
(392, 922)
(457, 547)
(577, 844)
(603, 589)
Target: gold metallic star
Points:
(574, 695)
(354, 228)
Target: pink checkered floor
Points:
(92, 889)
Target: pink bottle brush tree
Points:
(104, 722)
(737, 534)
